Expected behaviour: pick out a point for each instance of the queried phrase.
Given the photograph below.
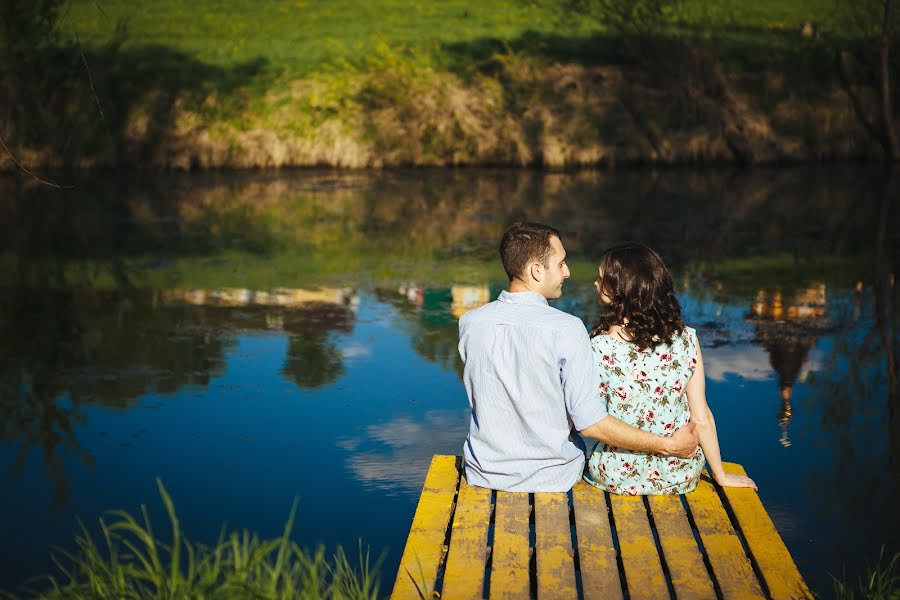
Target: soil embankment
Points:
(678, 104)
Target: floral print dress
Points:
(645, 389)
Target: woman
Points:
(651, 374)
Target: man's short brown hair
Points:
(523, 243)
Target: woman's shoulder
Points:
(685, 342)
(689, 334)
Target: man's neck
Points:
(517, 285)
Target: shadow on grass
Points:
(118, 101)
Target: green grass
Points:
(881, 582)
(207, 83)
(132, 562)
(296, 38)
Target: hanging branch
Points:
(90, 77)
(25, 170)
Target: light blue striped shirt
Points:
(530, 376)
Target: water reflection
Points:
(789, 328)
(403, 448)
(145, 292)
(309, 316)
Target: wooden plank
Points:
(771, 555)
(687, 571)
(730, 564)
(464, 574)
(640, 558)
(597, 554)
(553, 546)
(511, 554)
(425, 545)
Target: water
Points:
(248, 339)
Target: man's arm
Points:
(614, 432)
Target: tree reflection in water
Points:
(788, 330)
(62, 350)
(312, 358)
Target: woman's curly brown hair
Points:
(641, 294)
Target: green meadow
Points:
(549, 83)
(297, 38)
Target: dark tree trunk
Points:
(887, 108)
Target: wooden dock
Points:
(471, 542)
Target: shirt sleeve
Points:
(580, 377)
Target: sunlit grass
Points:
(130, 561)
(296, 37)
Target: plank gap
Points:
(489, 561)
(696, 533)
(723, 498)
(532, 556)
(532, 572)
(659, 550)
(486, 585)
(492, 523)
(576, 557)
(442, 565)
(532, 530)
(615, 540)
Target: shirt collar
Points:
(522, 298)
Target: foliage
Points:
(882, 582)
(135, 563)
(641, 17)
(28, 25)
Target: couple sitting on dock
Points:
(535, 379)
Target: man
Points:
(531, 379)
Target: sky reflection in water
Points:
(251, 341)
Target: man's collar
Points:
(522, 298)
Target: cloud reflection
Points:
(406, 448)
(750, 362)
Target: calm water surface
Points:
(249, 339)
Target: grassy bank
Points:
(399, 82)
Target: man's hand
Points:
(683, 442)
(614, 432)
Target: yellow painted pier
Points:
(471, 542)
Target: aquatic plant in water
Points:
(136, 564)
(882, 582)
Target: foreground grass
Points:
(882, 582)
(132, 562)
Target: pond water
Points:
(248, 339)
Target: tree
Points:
(887, 107)
(871, 24)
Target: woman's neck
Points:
(620, 332)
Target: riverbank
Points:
(461, 85)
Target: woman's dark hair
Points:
(641, 292)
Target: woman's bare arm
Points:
(702, 416)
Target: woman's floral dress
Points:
(646, 390)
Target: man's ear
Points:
(537, 271)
